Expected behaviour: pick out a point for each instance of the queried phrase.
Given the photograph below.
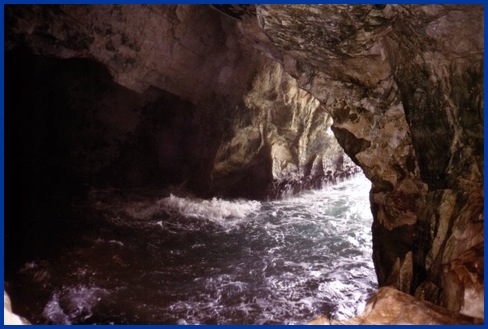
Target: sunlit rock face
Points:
(258, 97)
(208, 111)
(404, 85)
(391, 306)
(286, 126)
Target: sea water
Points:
(184, 260)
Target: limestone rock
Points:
(244, 109)
(407, 106)
(400, 87)
(292, 128)
(463, 281)
(391, 306)
(142, 46)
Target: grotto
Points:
(106, 104)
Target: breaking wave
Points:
(216, 209)
(178, 260)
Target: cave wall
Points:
(141, 45)
(400, 87)
(283, 135)
(181, 64)
(404, 85)
(210, 112)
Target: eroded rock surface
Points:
(239, 126)
(291, 130)
(404, 86)
(391, 306)
(399, 86)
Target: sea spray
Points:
(182, 260)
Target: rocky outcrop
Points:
(258, 97)
(391, 306)
(404, 86)
(291, 130)
(241, 127)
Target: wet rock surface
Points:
(10, 318)
(391, 306)
(260, 98)
(391, 78)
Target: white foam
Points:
(216, 209)
(299, 257)
(75, 303)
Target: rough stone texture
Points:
(141, 45)
(211, 112)
(403, 85)
(463, 283)
(173, 57)
(291, 128)
(391, 306)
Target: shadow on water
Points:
(146, 259)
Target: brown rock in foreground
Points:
(391, 306)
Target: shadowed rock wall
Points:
(213, 113)
(404, 85)
(400, 87)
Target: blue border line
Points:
(2, 143)
(485, 126)
(2, 119)
(243, 2)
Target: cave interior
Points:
(242, 101)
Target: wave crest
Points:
(215, 209)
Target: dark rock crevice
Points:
(351, 143)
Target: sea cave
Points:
(149, 148)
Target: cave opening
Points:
(112, 192)
(92, 159)
(202, 148)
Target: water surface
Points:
(183, 260)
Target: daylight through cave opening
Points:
(110, 98)
(127, 165)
